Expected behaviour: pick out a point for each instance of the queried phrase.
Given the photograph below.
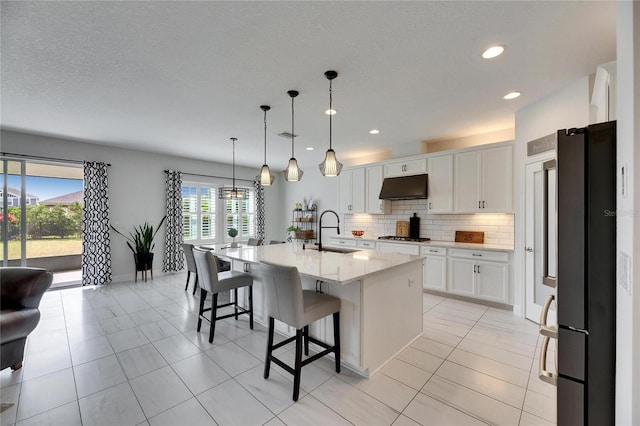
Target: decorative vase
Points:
(234, 245)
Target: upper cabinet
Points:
(373, 181)
(483, 181)
(351, 191)
(440, 181)
(406, 168)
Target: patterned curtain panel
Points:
(96, 243)
(259, 190)
(173, 255)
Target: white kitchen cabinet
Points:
(373, 180)
(344, 242)
(399, 248)
(483, 181)
(406, 168)
(440, 181)
(479, 274)
(435, 268)
(370, 245)
(351, 191)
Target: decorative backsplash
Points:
(498, 228)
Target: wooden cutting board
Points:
(470, 237)
(402, 228)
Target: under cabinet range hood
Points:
(404, 188)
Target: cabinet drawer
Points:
(399, 248)
(342, 242)
(494, 256)
(433, 251)
(367, 244)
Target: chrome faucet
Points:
(328, 227)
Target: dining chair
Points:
(254, 242)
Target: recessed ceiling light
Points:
(331, 112)
(309, 148)
(374, 131)
(511, 95)
(492, 52)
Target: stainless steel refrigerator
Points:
(586, 275)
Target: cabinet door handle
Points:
(433, 251)
(478, 268)
(429, 205)
(474, 269)
(476, 254)
(246, 267)
(478, 204)
(483, 204)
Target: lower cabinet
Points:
(479, 274)
(435, 268)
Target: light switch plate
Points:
(624, 271)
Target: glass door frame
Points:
(23, 211)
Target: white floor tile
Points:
(127, 339)
(420, 359)
(490, 367)
(428, 411)
(67, 415)
(140, 360)
(232, 358)
(10, 377)
(432, 347)
(46, 393)
(98, 375)
(159, 390)
(275, 393)
(439, 335)
(46, 362)
(506, 357)
(10, 395)
(403, 420)
(114, 406)
(530, 420)
(189, 412)
(90, 349)
(158, 330)
(472, 403)
(146, 316)
(540, 405)
(482, 383)
(406, 373)
(308, 411)
(176, 348)
(200, 373)
(231, 404)
(41, 342)
(115, 324)
(383, 388)
(353, 404)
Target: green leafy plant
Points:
(293, 228)
(232, 232)
(140, 241)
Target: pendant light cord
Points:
(293, 135)
(233, 140)
(330, 109)
(265, 136)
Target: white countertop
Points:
(340, 268)
(448, 244)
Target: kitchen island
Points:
(381, 296)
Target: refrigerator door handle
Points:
(544, 375)
(546, 330)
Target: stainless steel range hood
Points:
(404, 188)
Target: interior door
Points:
(540, 239)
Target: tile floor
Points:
(128, 354)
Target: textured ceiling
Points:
(183, 77)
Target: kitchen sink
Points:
(336, 250)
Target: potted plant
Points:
(140, 241)
(233, 233)
(292, 231)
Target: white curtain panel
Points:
(96, 243)
(173, 254)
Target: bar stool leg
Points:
(251, 307)
(187, 284)
(298, 365)
(195, 285)
(203, 295)
(267, 360)
(305, 334)
(336, 339)
(235, 306)
(214, 314)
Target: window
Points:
(241, 216)
(198, 212)
(205, 218)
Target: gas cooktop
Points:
(394, 238)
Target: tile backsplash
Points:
(498, 228)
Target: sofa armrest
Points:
(23, 287)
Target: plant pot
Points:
(233, 245)
(144, 261)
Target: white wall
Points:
(136, 186)
(565, 108)
(628, 214)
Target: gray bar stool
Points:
(191, 265)
(288, 302)
(254, 242)
(212, 281)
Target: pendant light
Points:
(233, 193)
(292, 173)
(330, 166)
(265, 177)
